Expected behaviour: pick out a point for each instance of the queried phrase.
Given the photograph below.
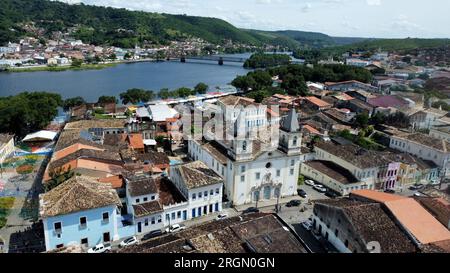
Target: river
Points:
(90, 84)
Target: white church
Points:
(254, 167)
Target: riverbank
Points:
(60, 68)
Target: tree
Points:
(28, 112)
(136, 95)
(127, 56)
(184, 92)
(107, 99)
(362, 120)
(164, 93)
(72, 102)
(201, 88)
(77, 62)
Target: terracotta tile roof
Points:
(116, 181)
(438, 207)
(155, 158)
(148, 208)
(217, 151)
(142, 186)
(377, 196)
(111, 157)
(168, 193)
(358, 156)
(371, 223)
(311, 129)
(388, 101)
(318, 102)
(256, 232)
(333, 170)
(419, 222)
(77, 194)
(101, 123)
(197, 174)
(437, 247)
(115, 140)
(235, 101)
(136, 141)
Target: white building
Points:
(154, 203)
(427, 118)
(375, 170)
(201, 186)
(6, 146)
(440, 132)
(253, 169)
(425, 147)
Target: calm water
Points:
(91, 84)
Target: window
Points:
(179, 214)
(105, 217)
(137, 201)
(173, 215)
(244, 146)
(211, 192)
(145, 199)
(258, 176)
(153, 197)
(146, 222)
(153, 220)
(194, 196)
(159, 219)
(278, 173)
(200, 195)
(292, 163)
(60, 246)
(167, 217)
(205, 193)
(268, 165)
(336, 232)
(242, 178)
(291, 171)
(295, 141)
(58, 226)
(84, 241)
(217, 191)
(83, 222)
(242, 169)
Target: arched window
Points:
(244, 145)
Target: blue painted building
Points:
(81, 211)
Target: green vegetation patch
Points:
(6, 203)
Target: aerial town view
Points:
(201, 127)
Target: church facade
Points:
(254, 169)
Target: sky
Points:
(346, 18)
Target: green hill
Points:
(105, 25)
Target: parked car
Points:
(302, 193)
(293, 203)
(320, 188)
(418, 194)
(436, 182)
(128, 242)
(331, 194)
(221, 216)
(390, 191)
(250, 210)
(100, 248)
(307, 225)
(416, 187)
(309, 182)
(153, 234)
(175, 228)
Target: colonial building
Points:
(253, 169)
(81, 211)
(425, 147)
